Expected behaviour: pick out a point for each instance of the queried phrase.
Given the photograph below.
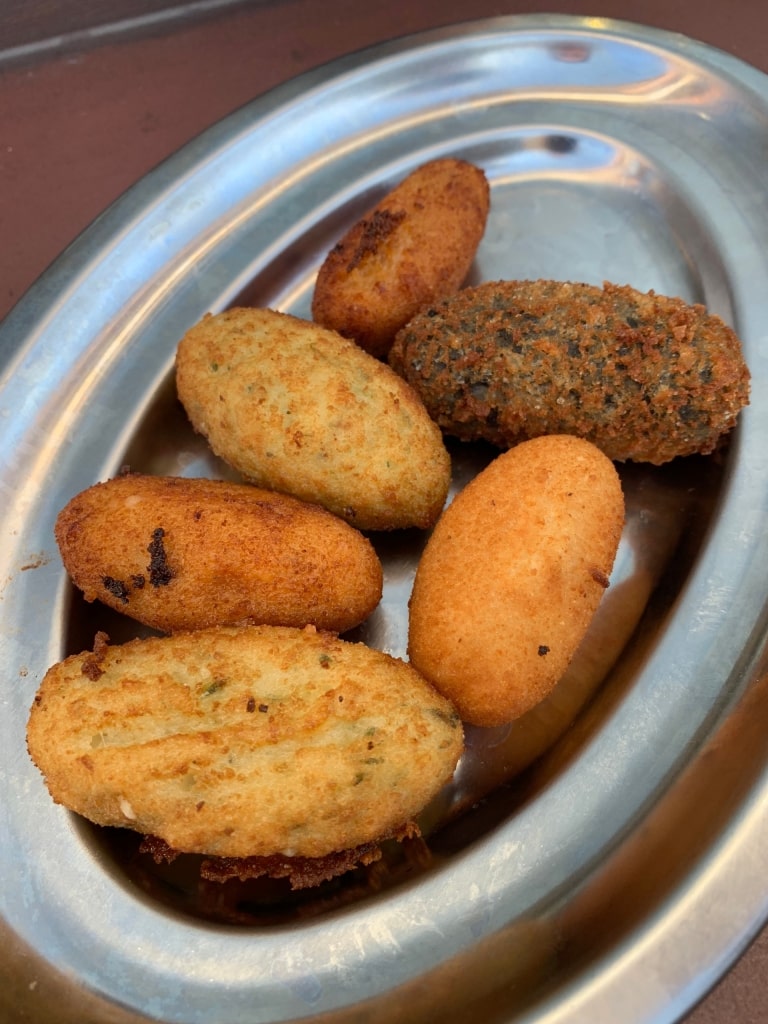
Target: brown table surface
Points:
(84, 116)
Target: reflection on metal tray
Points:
(578, 853)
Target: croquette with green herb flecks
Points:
(643, 376)
(299, 409)
(244, 742)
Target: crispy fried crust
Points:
(179, 554)
(302, 872)
(512, 575)
(643, 376)
(299, 409)
(416, 246)
(244, 742)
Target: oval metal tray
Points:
(599, 860)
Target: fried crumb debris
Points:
(92, 662)
(301, 872)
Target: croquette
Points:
(512, 575)
(182, 554)
(644, 377)
(416, 246)
(251, 741)
(299, 409)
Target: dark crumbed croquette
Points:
(643, 376)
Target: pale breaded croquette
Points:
(645, 377)
(182, 554)
(253, 741)
(297, 408)
(416, 246)
(512, 575)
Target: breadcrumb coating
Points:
(512, 575)
(244, 741)
(299, 409)
(181, 554)
(414, 247)
(643, 376)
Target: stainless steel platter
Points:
(600, 860)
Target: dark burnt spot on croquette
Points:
(375, 230)
(117, 588)
(160, 574)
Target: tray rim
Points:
(72, 263)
